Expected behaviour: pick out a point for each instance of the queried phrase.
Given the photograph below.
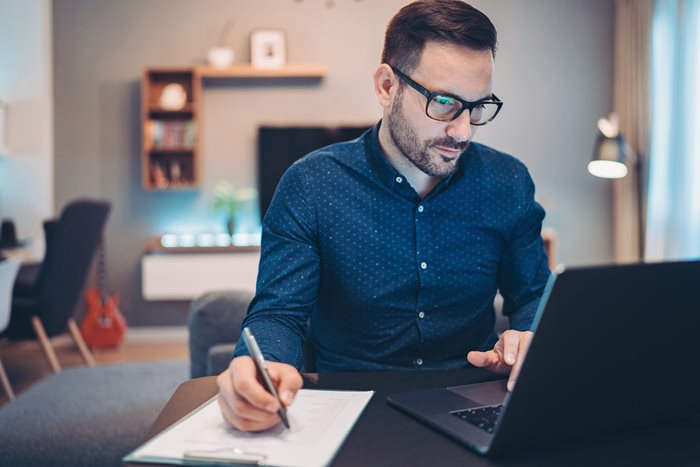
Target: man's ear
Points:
(385, 84)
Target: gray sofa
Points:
(214, 327)
(86, 416)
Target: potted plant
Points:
(230, 201)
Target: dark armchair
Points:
(45, 295)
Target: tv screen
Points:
(280, 146)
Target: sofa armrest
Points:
(215, 318)
(219, 357)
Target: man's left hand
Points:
(507, 355)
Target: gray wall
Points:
(26, 171)
(554, 71)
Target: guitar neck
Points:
(102, 270)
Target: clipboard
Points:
(319, 423)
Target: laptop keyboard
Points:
(481, 417)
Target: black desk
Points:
(383, 436)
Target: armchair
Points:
(8, 272)
(45, 295)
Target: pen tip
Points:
(283, 417)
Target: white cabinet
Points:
(184, 276)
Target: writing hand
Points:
(245, 403)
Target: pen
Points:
(261, 366)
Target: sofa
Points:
(87, 416)
(214, 325)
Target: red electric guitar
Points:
(104, 325)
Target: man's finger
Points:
(288, 381)
(511, 343)
(246, 385)
(525, 339)
(512, 378)
(483, 359)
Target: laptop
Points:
(615, 348)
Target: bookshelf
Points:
(171, 135)
(169, 158)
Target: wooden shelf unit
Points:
(170, 148)
(170, 138)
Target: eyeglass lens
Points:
(444, 108)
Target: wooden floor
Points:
(26, 364)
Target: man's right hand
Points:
(245, 403)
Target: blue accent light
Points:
(168, 240)
(223, 239)
(246, 239)
(186, 240)
(205, 239)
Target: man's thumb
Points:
(479, 359)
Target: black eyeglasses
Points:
(445, 108)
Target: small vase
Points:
(220, 57)
(229, 225)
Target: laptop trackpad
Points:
(490, 393)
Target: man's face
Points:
(435, 147)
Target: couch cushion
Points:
(87, 416)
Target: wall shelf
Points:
(170, 147)
(247, 71)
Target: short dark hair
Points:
(447, 21)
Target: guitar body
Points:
(104, 325)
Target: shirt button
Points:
(421, 315)
(424, 265)
(399, 179)
(420, 208)
(419, 361)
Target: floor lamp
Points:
(612, 159)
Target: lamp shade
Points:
(608, 157)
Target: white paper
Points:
(319, 422)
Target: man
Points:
(391, 247)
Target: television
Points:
(280, 146)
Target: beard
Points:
(406, 139)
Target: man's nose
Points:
(460, 129)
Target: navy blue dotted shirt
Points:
(385, 279)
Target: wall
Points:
(26, 173)
(554, 72)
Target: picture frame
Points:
(268, 48)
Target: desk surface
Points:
(384, 436)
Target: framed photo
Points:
(268, 48)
